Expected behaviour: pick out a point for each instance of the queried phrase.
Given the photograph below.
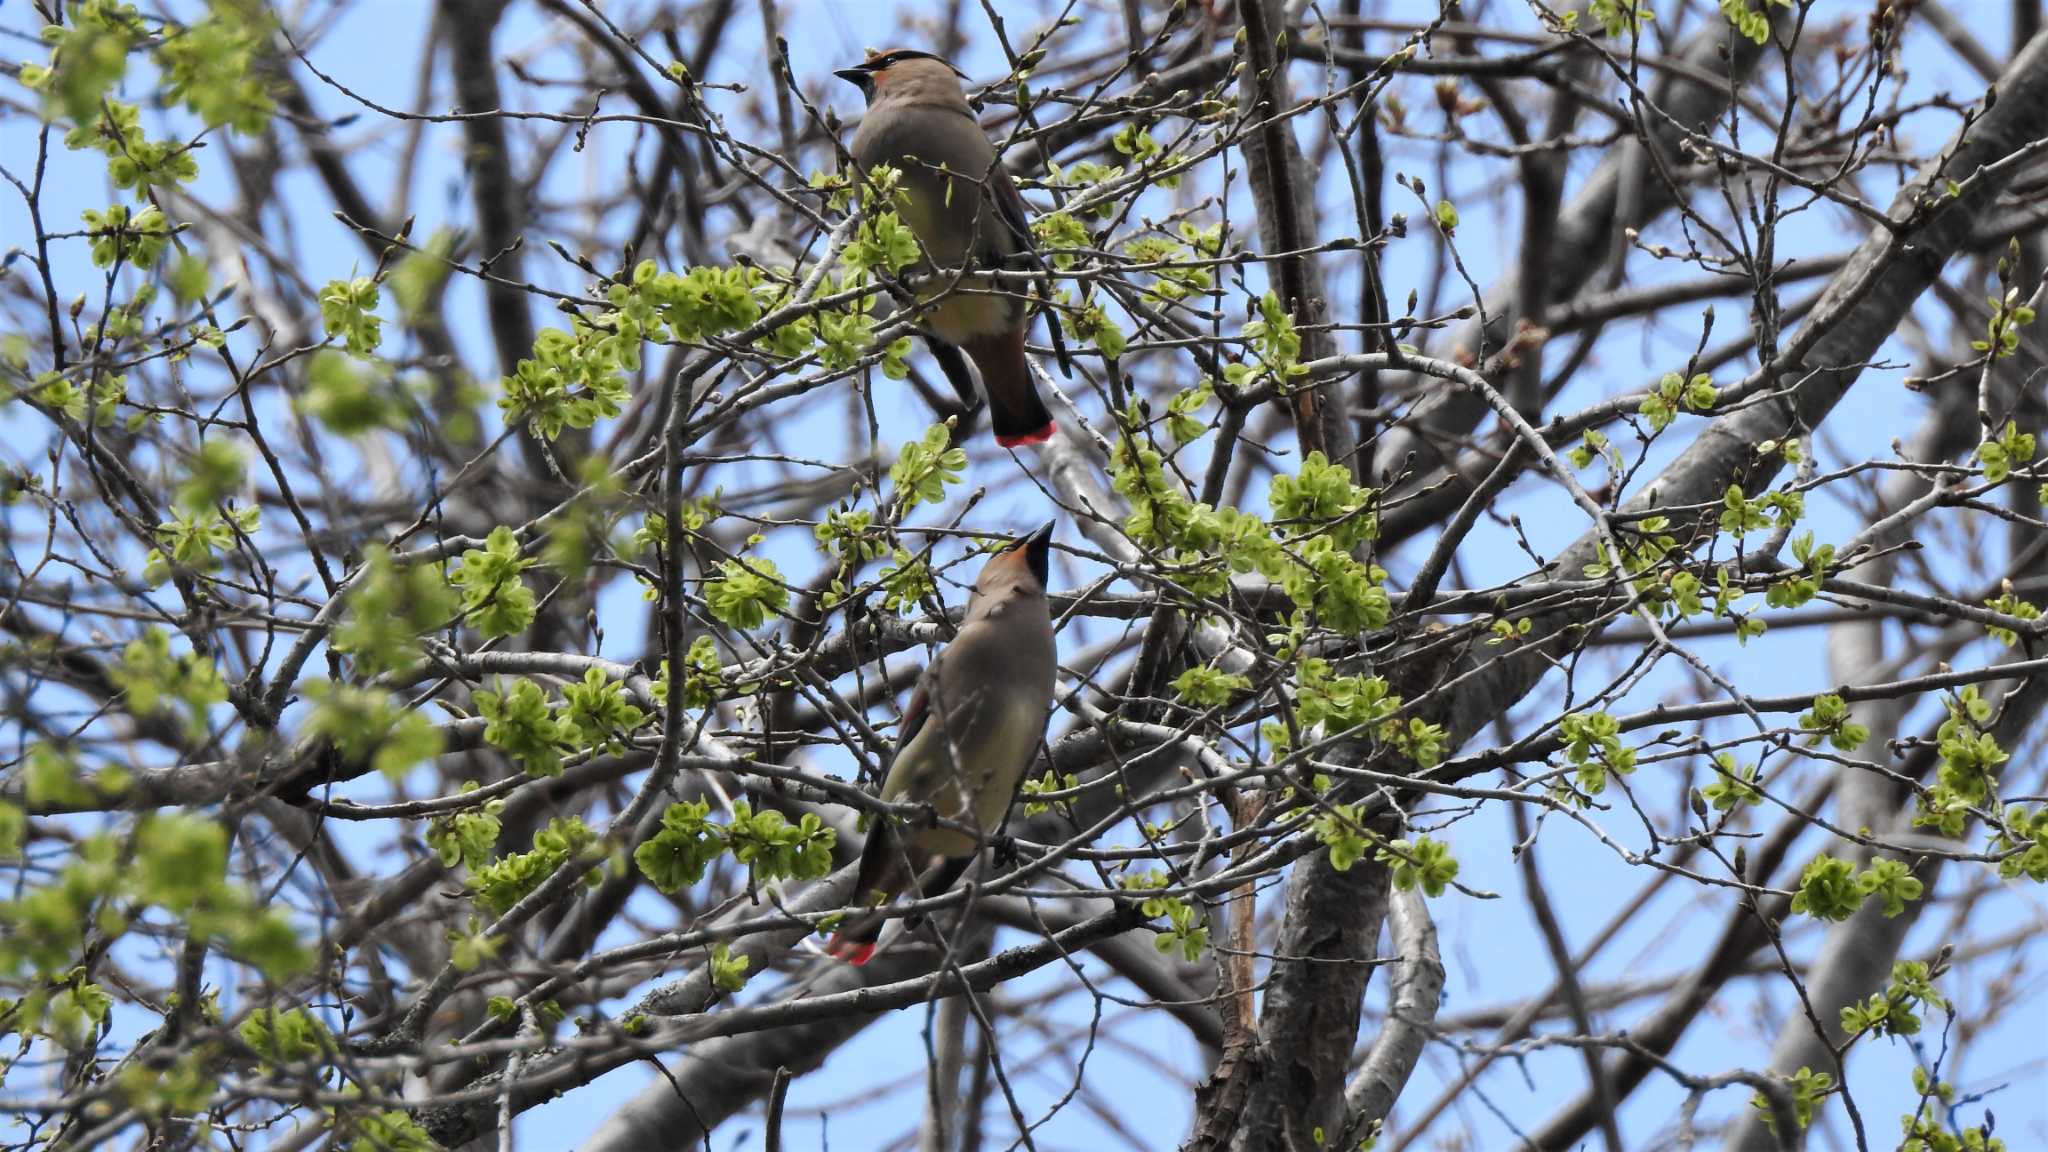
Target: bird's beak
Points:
(1037, 551)
(860, 78)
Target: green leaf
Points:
(349, 310)
(521, 723)
(1828, 890)
(1425, 861)
(675, 857)
(1206, 687)
(744, 594)
(284, 1035)
(493, 595)
(925, 467)
(728, 972)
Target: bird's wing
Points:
(1010, 210)
(902, 767)
(915, 713)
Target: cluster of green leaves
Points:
(2002, 331)
(2011, 605)
(216, 473)
(1203, 686)
(504, 882)
(1673, 392)
(87, 59)
(466, 836)
(574, 378)
(521, 723)
(1594, 445)
(1808, 1087)
(52, 780)
(1752, 23)
(1092, 322)
(883, 244)
(746, 592)
(577, 377)
(907, 581)
(704, 682)
(1321, 499)
(1804, 583)
(1059, 235)
(58, 391)
(728, 972)
(349, 310)
(1748, 625)
(1831, 889)
(351, 399)
(173, 867)
(284, 1035)
(1182, 261)
(121, 237)
(181, 1086)
(1830, 719)
(2010, 449)
(1643, 545)
(1506, 631)
(494, 598)
(594, 716)
(1895, 1011)
(1347, 704)
(1424, 861)
(1741, 515)
(1135, 141)
(766, 842)
(192, 540)
(849, 535)
(215, 67)
(416, 279)
(211, 67)
(367, 726)
(1339, 828)
(1049, 783)
(1272, 347)
(1970, 756)
(1187, 932)
(2023, 844)
(134, 161)
(1091, 175)
(153, 678)
(1320, 516)
(1615, 17)
(388, 1131)
(1181, 421)
(1734, 784)
(388, 609)
(925, 468)
(1593, 747)
(1926, 1132)
(547, 1012)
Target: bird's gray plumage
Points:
(971, 731)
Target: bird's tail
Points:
(1017, 413)
(876, 883)
(855, 942)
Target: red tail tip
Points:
(852, 952)
(1038, 437)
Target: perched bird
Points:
(972, 728)
(964, 209)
